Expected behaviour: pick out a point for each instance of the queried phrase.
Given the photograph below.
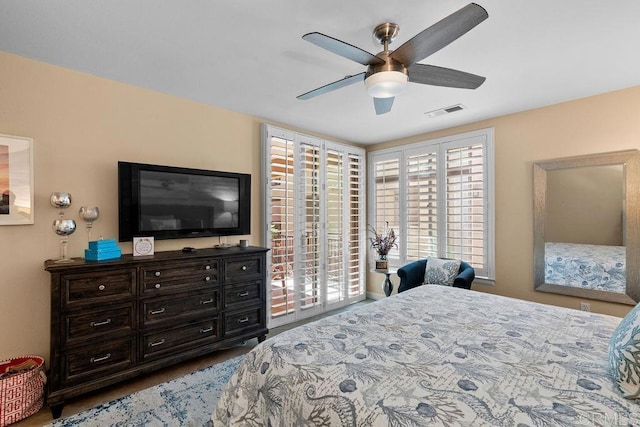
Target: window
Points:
(438, 196)
(314, 211)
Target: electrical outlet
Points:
(585, 306)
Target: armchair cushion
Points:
(441, 271)
(412, 275)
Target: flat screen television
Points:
(169, 202)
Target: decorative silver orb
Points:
(89, 213)
(60, 200)
(64, 227)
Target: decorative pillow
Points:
(441, 271)
(624, 354)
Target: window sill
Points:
(484, 281)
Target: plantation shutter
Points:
(438, 197)
(314, 216)
(465, 194)
(356, 251)
(386, 193)
(282, 220)
(334, 226)
(422, 205)
(309, 269)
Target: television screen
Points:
(170, 202)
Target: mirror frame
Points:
(630, 160)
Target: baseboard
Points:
(375, 296)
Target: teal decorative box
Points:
(108, 244)
(101, 250)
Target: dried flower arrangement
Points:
(383, 242)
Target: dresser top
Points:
(129, 260)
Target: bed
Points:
(585, 266)
(433, 355)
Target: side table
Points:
(387, 284)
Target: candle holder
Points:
(62, 227)
(61, 201)
(89, 214)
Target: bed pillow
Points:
(441, 271)
(624, 348)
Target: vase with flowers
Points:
(383, 242)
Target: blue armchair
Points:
(412, 275)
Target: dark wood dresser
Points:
(116, 319)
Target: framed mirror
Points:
(587, 226)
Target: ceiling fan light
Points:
(386, 84)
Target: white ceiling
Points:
(248, 55)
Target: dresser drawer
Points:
(97, 323)
(164, 278)
(241, 321)
(160, 310)
(168, 271)
(176, 340)
(245, 268)
(98, 288)
(242, 294)
(94, 362)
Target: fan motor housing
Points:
(389, 65)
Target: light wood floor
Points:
(108, 394)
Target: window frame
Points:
(485, 137)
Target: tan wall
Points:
(597, 124)
(82, 125)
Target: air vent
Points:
(443, 111)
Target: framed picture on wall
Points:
(16, 180)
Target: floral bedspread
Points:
(436, 356)
(586, 266)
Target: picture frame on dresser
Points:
(16, 180)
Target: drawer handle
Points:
(207, 279)
(157, 274)
(153, 312)
(154, 344)
(244, 268)
(102, 287)
(100, 359)
(106, 322)
(204, 331)
(207, 267)
(243, 294)
(209, 301)
(157, 286)
(243, 320)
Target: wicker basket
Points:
(22, 381)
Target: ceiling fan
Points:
(388, 71)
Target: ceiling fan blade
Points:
(440, 34)
(440, 76)
(382, 105)
(349, 80)
(343, 49)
